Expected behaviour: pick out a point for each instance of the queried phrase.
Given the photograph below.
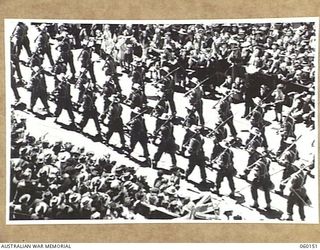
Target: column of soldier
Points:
(221, 159)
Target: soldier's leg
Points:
(282, 186)
(133, 143)
(26, 45)
(91, 72)
(191, 166)
(116, 82)
(96, 122)
(267, 195)
(84, 121)
(231, 183)
(18, 70)
(219, 178)
(44, 100)
(70, 61)
(173, 158)
(232, 128)
(201, 164)
(290, 204)
(144, 145)
(172, 105)
(33, 100)
(121, 134)
(58, 111)
(49, 54)
(254, 193)
(158, 155)
(200, 113)
(301, 209)
(70, 113)
(14, 88)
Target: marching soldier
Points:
(115, 123)
(64, 98)
(86, 62)
(258, 165)
(223, 157)
(279, 98)
(160, 110)
(66, 54)
(196, 154)
(167, 86)
(110, 69)
(257, 121)
(108, 90)
(255, 139)
(195, 99)
(59, 68)
(14, 84)
(191, 119)
(167, 142)
(286, 131)
(90, 111)
(137, 98)
(286, 159)
(43, 44)
(39, 88)
(20, 38)
(226, 115)
(298, 194)
(138, 74)
(138, 132)
(81, 84)
(15, 65)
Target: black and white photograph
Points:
(190, 121)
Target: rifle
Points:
(258, 105)
(214, 106)
(288, 148)
(221, 124)
(164, 124)
(135, 117)
(197, 86)
(166, 76)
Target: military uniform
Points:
(59, 68)
(196, 157)
(167, 143)
(137, 98)
(82, 83)
(39, 89)
(66, 54)
(225, 115)
(223, 157)
(108, 90)
(298, 195)
(168, 90)
(86, 62)
(190, 119)
(160, 109)
(64, 100)
(196, 101)
(259, 165)
(286, 131)
(115, 123)
(21, 34)
(139, 134)
(110, 68)
(286, 159)
(43, 45)
(14, 83)
(90, 111)
(256, 121)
